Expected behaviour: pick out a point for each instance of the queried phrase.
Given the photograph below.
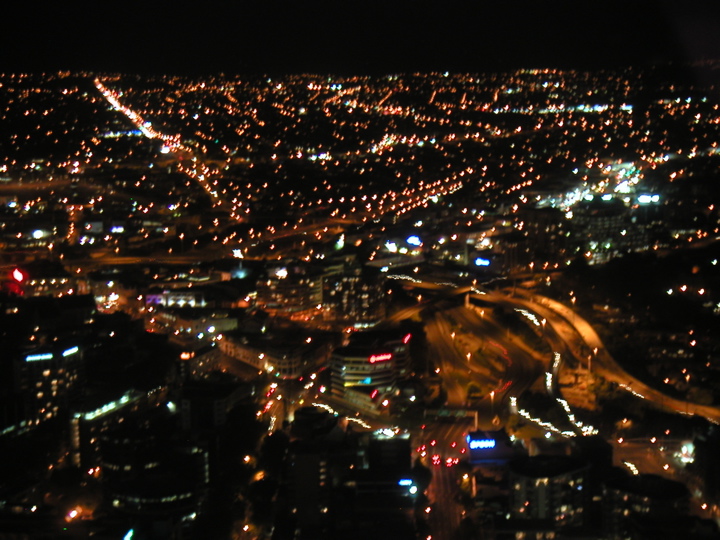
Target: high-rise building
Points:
(364, 376)
(628, 499)
(549, 488)
(293, 289)
(354, 296)
(89, 423)
(45, 379)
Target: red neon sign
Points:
(380, 357)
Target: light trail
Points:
(197, 171)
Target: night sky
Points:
(352, 37)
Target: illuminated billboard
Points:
(384, 357)
(478, 444)
(490, 447)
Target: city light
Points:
(480, 444)
(155, 212)
(414, 240)
(38, 357)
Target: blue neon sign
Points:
(480, 444)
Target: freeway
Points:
(443, 354)
(469, 349)
(586, 346)
(576, 341)
(523, 365)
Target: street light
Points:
(495, 418)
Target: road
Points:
(443, 441)
(582, 342)
(472, 350)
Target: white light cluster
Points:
(585, 429)
(545, 425)
(360, 421)
(109, 407)
(391, 433)
(632, 467)
(328, 408)
(633, 392)
(556, 361)
(528, 315)
(404, 277)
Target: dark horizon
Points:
(355, 38)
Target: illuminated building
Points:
(198, 359)
(43, 359)
(512, 250)
(192, 324)
(363, 367)
(204, 405)
(88, 425)
(175, 297)
(337, 479)
(147, 472)
(382, 476)
(397, 342)
(309, 486)
(314, 435)
(632, 499)
(47, 378)
(604, 230)
(51, 286)
(550, 489)
(490, 447)
(43, 278)
(364, 376)
(545, 232)
(240, 349)
(354, 297)
(294, 289)
(282, 355)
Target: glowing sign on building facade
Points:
(477, 444)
